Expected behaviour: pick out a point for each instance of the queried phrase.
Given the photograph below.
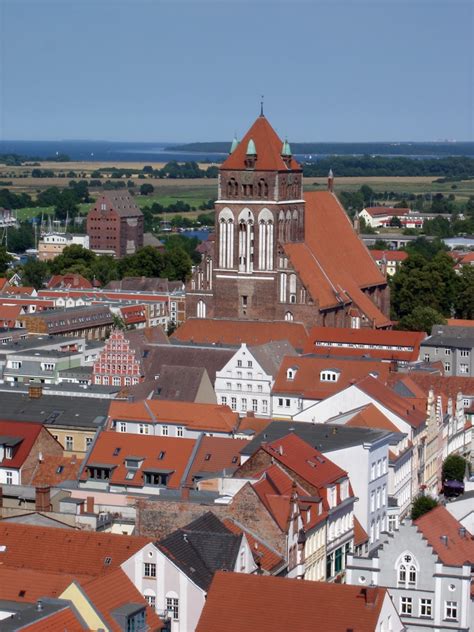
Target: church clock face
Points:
(247, 178)
(291, 178)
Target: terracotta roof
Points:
(265, 556)
(10, 313)
(268, 146)
(115, 590)
(21, 436)
(439, 522)
(446, 385)
(307, 382)
(208, 417)
(51, 549)
(375, 211)
(276, 603)
(27, 586)
(460, 322)
(341, 277)
(72, 280)
(216, 454)
(304, 460)
(114, 448)
(64, 619)
(371, 417)
(3, 283)
(257, 424)
(234, 332)
(401, 406)
(19, 289)
(360, 535)
(365, 336)
(55, 469)
(389, 356)
(389, 255)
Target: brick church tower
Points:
(261, 264)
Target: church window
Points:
(288, 316)
(262, 187)
(283, 288)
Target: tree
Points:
(5, 260)
(422, 318)
(454, 468)
(146, 188)
(395, 222)
(422, 505)
(464, 300)
(73, 258)
(177, 265)
(35, 273)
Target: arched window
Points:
(283, 288)
(288, 316)
(226, 238)
(281, 226)
(150, 597)
(246, 236)
(292, 288)
(262, 188)
(201, 309)
(407, 570)
(265, 240)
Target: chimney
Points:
(184, 493)
(330, 181)
(43, 499)
(35, 391)
(371, 595)
(90, 504)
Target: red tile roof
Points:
(27, 432)
(265, 556)
(56, 550)
(267, 604)
(55, 469)
(207, 417)
(216, 454)
(446, 385)
(460, 322)
(439, 522)
(376, 211)
(70, 280)
(304, 460)
(360, 535)
(378, 339)
(235, 332)
(113, 448)
(307, 375)
(257, 424)
(371, 417)
(115, 590)
(65, 619)
(344, 276)
(19, 289)
(3, 283)
(27, 586)
(268, 146)
(389, 255)
(401, 406)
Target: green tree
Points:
(177, 265)
(148, 262)
(395, 222)
(104, 269)
(422, 318)
(34, 273)
(454, 468)
(5, 260)
(73, 258)
(422, 505)
(146, 189)
(464, 301)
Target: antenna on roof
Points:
(261, 106)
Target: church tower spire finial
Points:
(261, 107)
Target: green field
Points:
(194, 196)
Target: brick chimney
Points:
(43, 499)
(371, 595)
(90, 504)
(35, 391)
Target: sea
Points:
(116, 152)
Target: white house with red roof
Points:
(381, 216)
(426, 566)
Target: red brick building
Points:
(118, 364)
(115, 224)
(279, 254)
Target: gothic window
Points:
(292, 288)
(262, 188)
(288, 316)
(201, 309)
(265, 240)
(407, 571)
(246, 243)
(288, 226)
(232, 188)
(281, 226)
(294, 226)
(226, 238)
(283, 288)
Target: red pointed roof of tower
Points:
(268, 146)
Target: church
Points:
(278, 253)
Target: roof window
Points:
(329, 375)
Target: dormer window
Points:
(290, 373)
(329, 375)
(9, 452)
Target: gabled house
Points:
(318, 477)
(305, 380)
(274, 603)
(245, 382)
(174, 573)
(426, 567)
(22, 447)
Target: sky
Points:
(195, 70)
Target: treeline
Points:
(394, 166)
(17, 160)
(173, 263)
(362, 149)
(172, 170)
(65, 201)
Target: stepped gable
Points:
(268, 146)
